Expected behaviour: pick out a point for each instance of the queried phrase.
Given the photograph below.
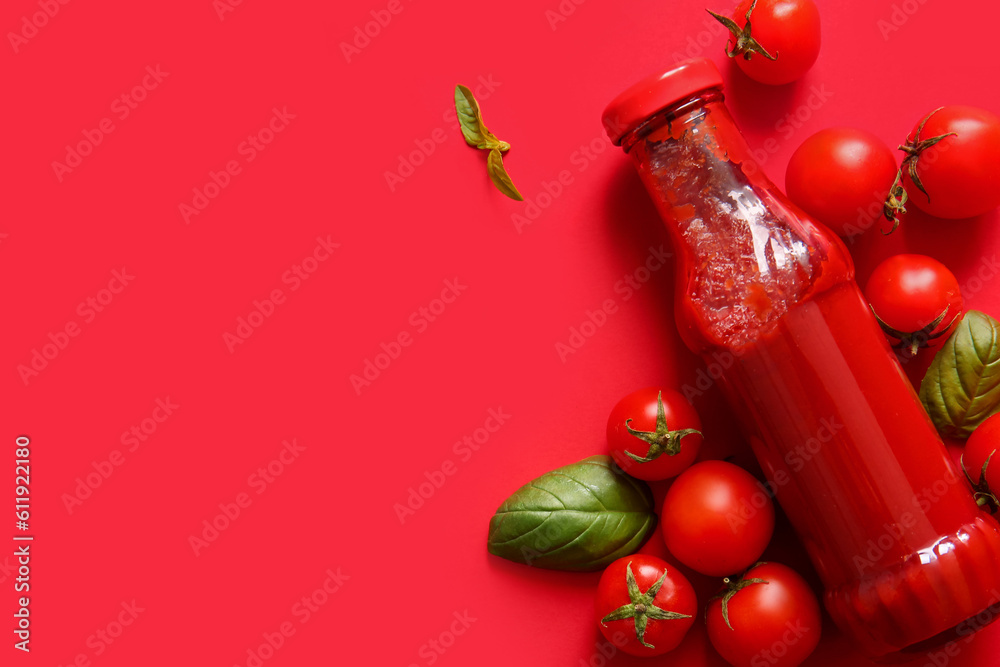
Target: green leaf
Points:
(494, 165)
(962, 385)
(579, 518)
(470, 118)
(476, 134)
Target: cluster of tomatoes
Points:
(840, 175)
(843, 175)
(917, 302)
(848, 179)
(716, 519)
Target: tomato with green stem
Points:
(982, 471)
(951, 165)
(779, 39)
(648, 601)
(767, 616)
(915, 299)
(654, 434)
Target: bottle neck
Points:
(683, 112)
(745, 255)
(694, 149)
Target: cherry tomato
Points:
(980, 447)
(782, 44)
(769, 616)
(649, 601)
(841, 176)
(916, 300)
(654, 434)
(952, 163)
(717, 518)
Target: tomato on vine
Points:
(768, 616)
(915, 299)
(649, 601)
(654, 434)
(781, 44)
(951, 167)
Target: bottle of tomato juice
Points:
(907, 558)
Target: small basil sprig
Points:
(477, 135)
(962, 385)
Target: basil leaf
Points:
(579, 518)
(471, 120)
(476, 134)
(494, 165)
(962, 385)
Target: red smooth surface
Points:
(523, 284)
(838, 170)
(715, 519)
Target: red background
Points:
(324, 175)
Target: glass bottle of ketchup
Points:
(907, 558)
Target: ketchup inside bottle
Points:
(906, 556)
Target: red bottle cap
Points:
(657, 92)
